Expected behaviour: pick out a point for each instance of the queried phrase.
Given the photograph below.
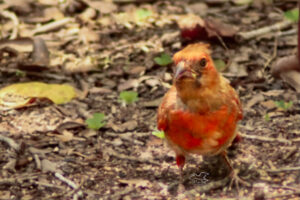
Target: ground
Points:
(103, 48)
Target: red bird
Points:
(199, 113)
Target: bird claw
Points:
(235, 179)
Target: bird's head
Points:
(194, 70)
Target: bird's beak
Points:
(182, 72)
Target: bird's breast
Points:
(203, 133)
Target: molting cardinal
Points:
(199, 113)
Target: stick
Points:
(264, 30)
(51, 26)
(274, 54)
(284, 169)
(70, 183)
(15, 21)
(10, 142)
(65, 180)
(266, 139)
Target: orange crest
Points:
(192, 52)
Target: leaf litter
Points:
(115, 51)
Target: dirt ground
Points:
(105, 47)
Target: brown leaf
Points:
(132, 83)
(104, 7)
(288, 69)
(269, 105)
(216, 27)
(255, 99)
(87, 35)
(40, 54)
(66, 136)
(48, 166)
(194, 27)
(136, 70)
(285, 64)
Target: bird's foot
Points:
(236, 180)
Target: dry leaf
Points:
(288, 69)
(216, 27)
(48, 166)
(255, 99)
(104, 7)
(80, 65)
(66, 136)
(194, 27)
(21, 94)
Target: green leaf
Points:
(292, 15)
(129, 96)
(96, 122)
(279, 104)
(220, 64)
(289, 105)
(159, 134)
(284, 105)
(163, 60)
(267, 117)
(142, 14)
(20, 73)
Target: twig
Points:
(124, 137)
(10, 142)
(207, 187)
(65, 180)
(15, 21)
(70, 183)
(287, 33)
(266, 139)
(18, 179)
(120, 193)
(51, 26)
(264, 30)
(112, 152)
(222, 42)
(49, 185)
(285, 187)
(282, 195)
(274, 53)
(284, 169)
(296, 140)
(37, 161)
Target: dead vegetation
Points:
(105, 47)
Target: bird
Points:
(199, 114)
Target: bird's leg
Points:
(233, 174)
(237, 139)
(180, 161)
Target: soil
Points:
(48, 152)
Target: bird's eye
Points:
(203, 62)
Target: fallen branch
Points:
(207, 187)
(274, 55)
(261, 31)
(10, 142)
(15, 21)
(69, 183)
(282, 195)
(52, 26)
(112, 152)
(266, 139)
(284, 169)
